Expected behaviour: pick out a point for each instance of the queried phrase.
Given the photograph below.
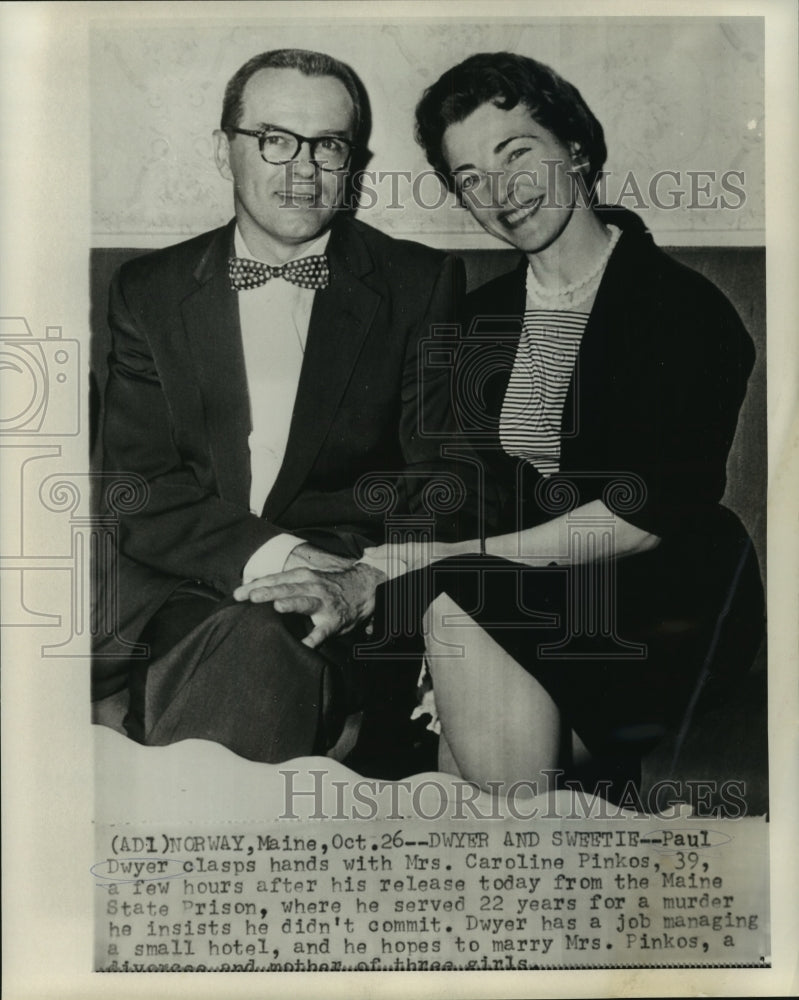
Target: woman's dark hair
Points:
(505, 79)
(306, 62)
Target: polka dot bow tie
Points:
(307, 272)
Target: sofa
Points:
(735, 736)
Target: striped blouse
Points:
(532, 421)
(532, 418)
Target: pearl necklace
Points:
(568, 294)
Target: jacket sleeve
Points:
(183, 528)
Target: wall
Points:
(677, 94)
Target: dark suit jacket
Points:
(653, 402)
(177, 410)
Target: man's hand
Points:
(336, 600)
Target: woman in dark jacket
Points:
(599, 384)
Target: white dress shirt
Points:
(274, 320)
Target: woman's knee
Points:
(445, 625)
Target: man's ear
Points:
(222, 154)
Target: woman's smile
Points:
(520, 213)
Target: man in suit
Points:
(257, 373)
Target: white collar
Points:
(318, 246)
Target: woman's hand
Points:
(405, 557)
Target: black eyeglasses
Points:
(278, 145)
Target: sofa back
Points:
(739, 272)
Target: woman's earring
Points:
(578, 158)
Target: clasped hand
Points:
(337, 597)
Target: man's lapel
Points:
(340, 320)
(211, 317)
